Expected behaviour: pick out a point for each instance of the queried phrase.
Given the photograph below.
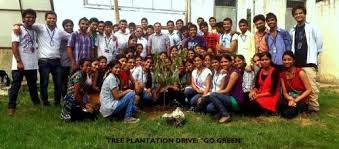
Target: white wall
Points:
(201, 8)
(327, 13)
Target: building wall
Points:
(10, 12)
(327, 13)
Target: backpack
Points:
(4, 78)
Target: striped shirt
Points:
(82, 45)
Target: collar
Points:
(306, 23)
(246, 33)
(278, 30)
(173, 33)
(155, 34)
(81, 33)
(126, 33)
(265, 32)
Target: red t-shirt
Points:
(295, 83)
(211, 40)
(124, 78)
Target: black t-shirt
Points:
(300, 45)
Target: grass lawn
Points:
(40, 127)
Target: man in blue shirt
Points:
(194, 39)
(278, 40)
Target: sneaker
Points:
(11, 111)
(225, 119)
(57, 103)
(65, 117)
(131, 120)
(46, 103)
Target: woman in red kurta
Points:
(265, 94)
(295, 86)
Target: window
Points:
(292, 3)
(163, 5)
(101, 4)
(226, 3)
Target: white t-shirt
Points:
(49, 41)
(226, 39)
(216, 80)
(143, 41)
(27, 49)
(108, 103)
(138, 74)
(200, 79)
(246, 46)
(122, 39)
(107, 46)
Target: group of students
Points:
(105, 68)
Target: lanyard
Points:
(215, 80)
(51, 42)
(243, 39)
(31, 37)
(107, 43)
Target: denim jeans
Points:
(146, 99)
(221, 102)
(31, 77)
(64, 77)
(52, 66)
(189, 93)
(126, 102)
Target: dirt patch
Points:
(264, 119)
(152, 113)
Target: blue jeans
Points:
(52, 66)
(189, 93)
(31, 77)
(221, 103)
(64, 77)
(126, 102)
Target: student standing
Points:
(307, 44)
(107, 45)
(278, 40)
(80, 44)
(260, 35)
(246, 45)
(49, 40)
(228, 40)
(122, 35)
(68, 25)
(24, 61)
(158, 42)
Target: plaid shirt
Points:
(82, 45)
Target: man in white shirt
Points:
(49, 39)
(228, 40)
(174, 38)
(141, 40)
(158, 42)
(246, 45)
(307, 44)
(122, 35)
(24, 61)
(107, 45)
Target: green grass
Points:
(40, 127)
